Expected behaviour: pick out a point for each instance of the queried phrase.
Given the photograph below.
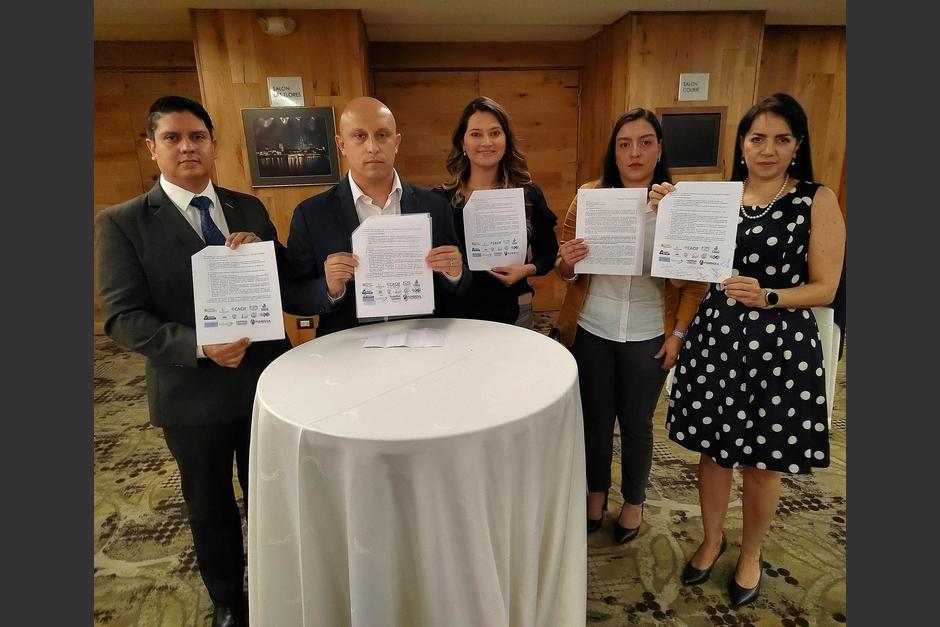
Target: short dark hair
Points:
(790, 110)
(611, 177)
(175, 104)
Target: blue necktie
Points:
(210, 232)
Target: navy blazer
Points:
(145, 249)
(323, 225)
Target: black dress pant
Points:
(204, 456)
(618, 381)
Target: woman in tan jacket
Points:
(625, 332)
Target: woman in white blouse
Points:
(625, 332)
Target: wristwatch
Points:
(772, 298)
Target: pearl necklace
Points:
(779, 193)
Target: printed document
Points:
(696, 227)
(237, 294)
(494, 228)
(612, 223)
(392, 278)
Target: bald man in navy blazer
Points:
(318, 248)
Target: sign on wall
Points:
(286, 91)
(693, 86)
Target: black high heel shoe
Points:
(594, 525)
(692, 576)
(741, 595)
(622, 535)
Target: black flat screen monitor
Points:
(692, 140)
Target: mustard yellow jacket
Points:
(682, 297)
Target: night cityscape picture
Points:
(291, 146)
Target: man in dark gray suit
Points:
(200, 395)
(319, 247)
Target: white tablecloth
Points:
(418, 486)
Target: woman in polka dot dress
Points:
(749, 386)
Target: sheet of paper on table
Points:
(414, 338)
(237, 294)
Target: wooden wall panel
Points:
(637, 60)
(543, 105)
(603, 95)
(387, 55)
(328, 50)
(726, 45)
(427, 106)
(145, 55)
(129, 76)
(234, 59)
(116, 171)
(808, 62)
(544, 109)
(594, 106)
(842, 188)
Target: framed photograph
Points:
(694, 136)
(291, 146)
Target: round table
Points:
(438, 486)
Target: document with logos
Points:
(393, 278)
(494, 228)
(237, 294)
(612, 223)
(696, 228)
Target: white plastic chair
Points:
(829, 335)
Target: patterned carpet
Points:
(145, 571)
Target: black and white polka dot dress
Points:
(749, 384)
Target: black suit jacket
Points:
(145, 247)
(323, 225)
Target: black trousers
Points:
(204, 456)
(619, 381)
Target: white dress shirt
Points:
(627, 308)
(182, 197)
(364, 205)
(365, 208)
